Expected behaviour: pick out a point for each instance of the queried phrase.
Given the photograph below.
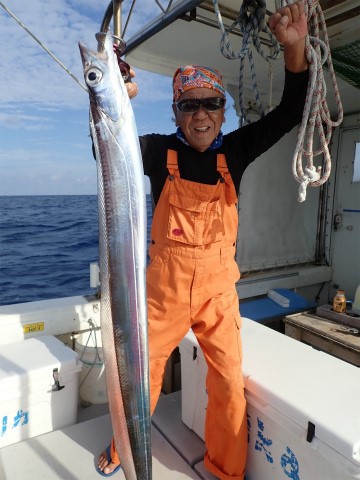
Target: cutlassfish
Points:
(122, 258)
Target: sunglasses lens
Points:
(192, 105)
(212, 104)
(188, 106)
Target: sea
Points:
(47, 244)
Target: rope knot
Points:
(312, 173)
(252, 11)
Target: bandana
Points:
(215, 144)
(195, 76)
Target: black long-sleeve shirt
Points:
(241, 147)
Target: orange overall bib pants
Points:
(191, 284)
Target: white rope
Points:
(316, 115)
(316, 111)
(251, 21)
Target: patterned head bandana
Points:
(195, 76)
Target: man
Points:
(195, 176)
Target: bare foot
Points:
(105, 464)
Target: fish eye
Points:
(93, 76)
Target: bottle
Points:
(339, 302)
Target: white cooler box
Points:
(303, 406)
(39, 382)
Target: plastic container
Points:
(39, 383)
(302, 406)
(88, 345)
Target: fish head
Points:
(101, 74)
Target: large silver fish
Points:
(122, 258)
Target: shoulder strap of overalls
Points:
(221, 165)
(222, 168)
(172, 163)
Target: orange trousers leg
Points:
(226, 422)
(174, 307)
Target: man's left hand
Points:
(289, 24)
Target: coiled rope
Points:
(251, 21)
(316, 111)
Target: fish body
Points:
(122, 258)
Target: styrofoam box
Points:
(39, 382)
(303, 406)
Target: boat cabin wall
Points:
(287, 244)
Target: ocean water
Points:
(46, 246)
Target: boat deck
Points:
(71, 453)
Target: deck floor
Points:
(71, 453)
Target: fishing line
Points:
(43, 46)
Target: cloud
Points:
(19, 119)
(43, 171)
(29, 75)
(45, 111)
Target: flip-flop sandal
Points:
(108, 458)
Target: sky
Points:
(44, 129)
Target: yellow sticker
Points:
(34, 327)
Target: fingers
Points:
(132, 88)
(278, 26)
(277, 20)
(286, 15)
(293, 11)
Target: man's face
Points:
(202, 127)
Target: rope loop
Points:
(316, 115)
(251, 22)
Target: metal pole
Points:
(117, 19)
(113, 11)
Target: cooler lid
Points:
(31, 362)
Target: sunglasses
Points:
(192, 105)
